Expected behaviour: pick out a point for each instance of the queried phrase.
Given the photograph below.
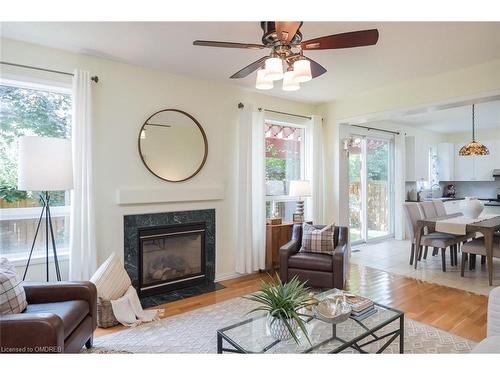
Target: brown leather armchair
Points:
(60, 318)
(319, 270)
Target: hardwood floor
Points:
(452, 310)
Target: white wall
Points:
(475, 81)
(124, 98)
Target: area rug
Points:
(195, 332)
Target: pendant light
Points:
(289, 82)
(274, 68)
(474, 148)
(302, 69)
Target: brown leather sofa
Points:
(60, 318)
(319, 270)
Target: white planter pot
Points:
(279, 330)
(471, 208)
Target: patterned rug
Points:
(195, 332)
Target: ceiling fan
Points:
(285, 41)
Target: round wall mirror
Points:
(173, 145)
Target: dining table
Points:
(486, 227)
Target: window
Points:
(284, 163)
(30, 109)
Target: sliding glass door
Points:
(371, 181)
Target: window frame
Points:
(28, 213)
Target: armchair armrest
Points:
(64, 291)
(493, 319)
(340, 265)
(31, 333)
(288, 249)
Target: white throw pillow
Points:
(111, 279)
(12, 295)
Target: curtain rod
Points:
(379, 130)
(241, 105)
(93, 78)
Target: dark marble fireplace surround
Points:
(132, 223)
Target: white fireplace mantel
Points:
(130, 196)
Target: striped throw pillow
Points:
(317, 240)
(12, 295)
(111, 279)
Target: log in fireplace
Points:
(171, 257)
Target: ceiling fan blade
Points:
(287, 30)
(211, 43)
(344, 40)
(250, 68)
(316, 69)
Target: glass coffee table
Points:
(372, 334)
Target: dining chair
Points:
(428, 209)
(440, 209)
(436, 240)
(477, 247)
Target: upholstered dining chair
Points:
(477, 247)
(440, 209)
(428, 209)
(442, 241)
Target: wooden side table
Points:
(276, 236)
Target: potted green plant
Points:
(283, 302)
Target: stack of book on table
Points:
(362, 307)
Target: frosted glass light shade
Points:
(302, 69)
(274, 68)
(300, 188)
(44, 164)
(289, 82)
(263, 83)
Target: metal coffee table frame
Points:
(354, 343)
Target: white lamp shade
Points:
(274, 68)
(302, 69)
(289, 82)
(300, 188)
(44, 164)
(263, 82)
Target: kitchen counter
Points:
(490, 202)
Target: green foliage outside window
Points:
(28, 112)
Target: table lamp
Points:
(45, 164)
(300, 189)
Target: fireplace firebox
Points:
(171, 257)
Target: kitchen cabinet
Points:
(476, 168)
(417, 159)
(446, 161)
(452, 207)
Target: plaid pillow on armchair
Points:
(317, 240)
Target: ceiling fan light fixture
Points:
(289, 81)
(263, 83)
(274, 68)
(302, 69)
(474, 148)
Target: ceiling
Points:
(404, 51)
(454, 120)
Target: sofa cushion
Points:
(318, 240)
(71, 312)
(311, 261)
(12, 295)
(111, 279)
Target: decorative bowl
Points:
(471, 207)
(332, 310)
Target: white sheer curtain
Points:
(251, 237)
(315, 167)
(399, 185)
(83, 258)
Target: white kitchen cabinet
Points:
(417, 159)
(477, 168)
(446, 161)
(452, 207)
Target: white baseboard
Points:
(226, 276)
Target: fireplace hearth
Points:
(170, 255)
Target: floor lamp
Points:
(45, 164)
